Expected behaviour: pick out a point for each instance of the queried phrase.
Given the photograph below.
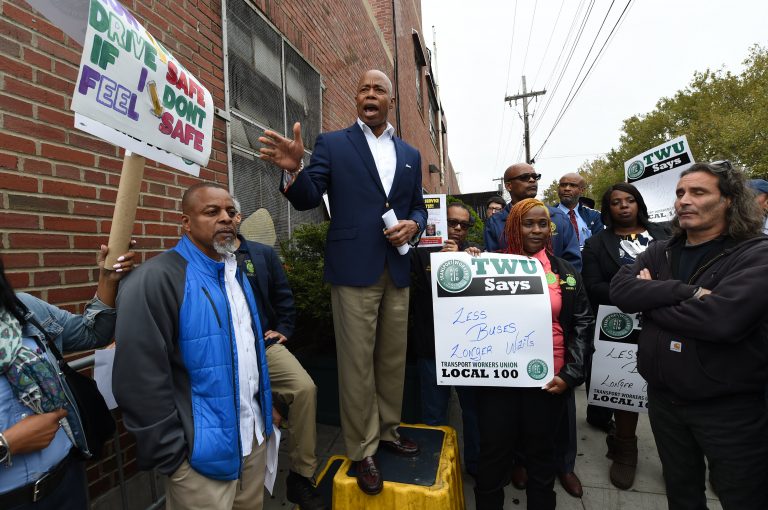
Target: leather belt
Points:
(34, 492)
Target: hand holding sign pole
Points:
(132, 92)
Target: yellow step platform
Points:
(429, 481)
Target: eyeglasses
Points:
(721, 166)
(524, 178)
(456, 224)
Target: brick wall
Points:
(58, 184)
(348, 37)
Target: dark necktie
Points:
(572, 215)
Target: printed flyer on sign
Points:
(131, 85)
(615, 381)
(655, 173)
(436, 232)
(493, 324)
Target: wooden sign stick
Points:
(125, 207)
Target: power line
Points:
(566, 64)
(586, 57)
(530, 33)
(586, 75)
(506, 87)
(546, 50)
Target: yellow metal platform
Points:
(430, 481)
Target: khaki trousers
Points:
(186, 489)
(371, 336)
(295, 387)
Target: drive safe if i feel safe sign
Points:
(130, 82)
(493, 320)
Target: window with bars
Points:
(271, 86)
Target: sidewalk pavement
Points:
(591, 467)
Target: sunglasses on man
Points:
(459, 224)
(524, 178)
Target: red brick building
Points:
(267, 63)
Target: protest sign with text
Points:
(655, 173)
(493, 320)
(130, 83)
(615, 382)
(436, 232)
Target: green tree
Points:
(723, 115)
(475, 235)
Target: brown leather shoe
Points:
(571, 484)
(368, 476)
(519, 477)
(401, 446)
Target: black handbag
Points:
(95, 416)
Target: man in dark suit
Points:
(366, 171)
(585, 221)
(294, 394)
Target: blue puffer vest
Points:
(208, 348)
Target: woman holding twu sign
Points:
(628, 232)
(525, 420)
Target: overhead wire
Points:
(506, 88)
(530, 33)
(567, 62)
(549, 42)
(586, 75)
(586, 57)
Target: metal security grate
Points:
(267, 79)
(256, 186)
(255, 66)
(302, 87)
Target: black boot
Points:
(493, 500)
(302, 492)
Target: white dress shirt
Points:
(247, 359)
(384, 155)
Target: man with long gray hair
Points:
(703, 348)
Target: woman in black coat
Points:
(628, 232)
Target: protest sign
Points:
(493, 321)
(615, 381)
(436, 232)
(132, 92)
(129, 82)
(655, 173)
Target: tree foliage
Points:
(723, 115)
(475, 235)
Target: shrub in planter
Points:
(303, 258)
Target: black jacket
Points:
(697, 349)
(270, 286)
(600, 261)
(576, 319)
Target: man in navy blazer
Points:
(366, 171)
(585, 221)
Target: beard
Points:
(569, 202)
(224, 247)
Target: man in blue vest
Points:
(190, 372)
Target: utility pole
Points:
(525, 97)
